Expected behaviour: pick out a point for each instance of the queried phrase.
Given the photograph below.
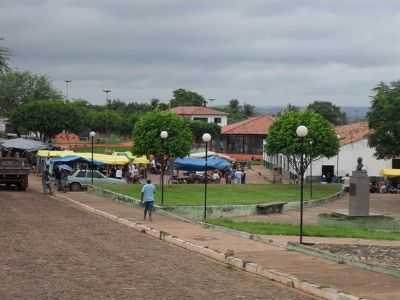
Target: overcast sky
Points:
(260, 52)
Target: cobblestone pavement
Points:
(52, 250)
(374, 254)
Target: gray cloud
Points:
(261, 52)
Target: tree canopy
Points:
(46, 118)
(320, 141)
(237, 112)
(200, 127)
(146, 135)
(18, 87)
(4, 56)
(329, 111)
(184, 97)
(383, 118)
(289, 108)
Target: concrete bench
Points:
(270, 208)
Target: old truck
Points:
(14, 171)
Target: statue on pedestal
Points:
(359, 164)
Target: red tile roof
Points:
(66, 137)
(353, 132)
(255, 125)
(197, 110)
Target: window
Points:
(81, 174)
(201, 119)
(217, 120)
(96, 174)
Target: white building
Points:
(3, 125)
(354, 144)
(202, 113)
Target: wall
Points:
(224, 119)
(3, 125)
(348, 160)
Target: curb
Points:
(245, 235)
(313, 203)
(340, 259)
(324, 292)
(164, 210)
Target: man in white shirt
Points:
(118, 173)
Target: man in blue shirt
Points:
(147, 196)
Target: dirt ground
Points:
(388, 204)
(51, 250)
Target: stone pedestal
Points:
(359, 194)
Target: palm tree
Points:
(4, 55)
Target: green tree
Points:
(107, 121)
(17, 88)
(199, 128)
(127, 124)
(248, 110)
(289, 108)
(383, 119)
(187, 98)
(233, 106)
(45, 118)
(4, 56)
(146, 135)
(282, 138)
(329, 111)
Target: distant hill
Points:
(354, 113)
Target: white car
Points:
(82, 178)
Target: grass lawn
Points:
(220, 194)
(309, 230)
(103, 150)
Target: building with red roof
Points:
(202, 113)
(353, 139)
(246, 137)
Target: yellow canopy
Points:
(141, 160)
(390, 172)
(48, 153)
(128, 154)
(105, 158)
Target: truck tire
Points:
(75, 187)
(23, 185)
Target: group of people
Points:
(131, 172)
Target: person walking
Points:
(64, 177)
(46, 181)
(147, 197)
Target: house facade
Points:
(246, 137)
(202, 113)
(353, 144)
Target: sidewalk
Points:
(358, 282)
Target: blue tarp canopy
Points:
(72, 159)
(198, 164)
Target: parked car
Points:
(82, 178)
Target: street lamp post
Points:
(311, 157)
(206, 139)
(337, 161)
(107, 92)
(163, 136)
(301, 132)
(67, 82)
(92, 134)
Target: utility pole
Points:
(67, 82)
(107, 92)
